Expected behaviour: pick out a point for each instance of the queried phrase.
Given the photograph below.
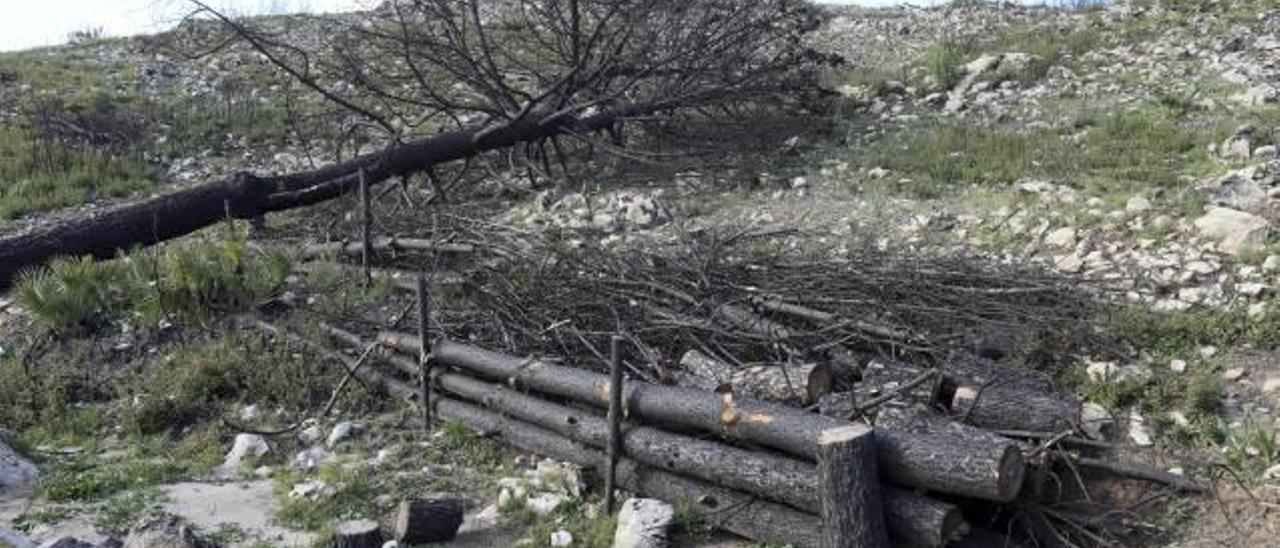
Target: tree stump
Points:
(420, 521)
(363, 533)
(849, 488)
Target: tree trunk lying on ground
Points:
(246, 196)
(912, 518)
(940, 462)
(728, 509)
(1014, 407)
(799, 383)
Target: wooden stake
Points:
(849, 488)
(424, 350)
(366, 229)
(615, 421)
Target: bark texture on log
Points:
(421, 521)
(997, 475)
(849, 487)
(357, 534)
(913, 520)
(800, 383)
(1016, 407)
(728, 509)
(940, 463)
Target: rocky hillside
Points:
(1131, 148)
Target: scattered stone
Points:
(1138, 430)
(545, 503)
(1179, 418)
(1252, 289)
(245, 446)
(1234, 374)
(250, 413)
(1272, 473)
(1236, 230)
(1062, 238)
(312, 489)
(311, 435)
(561, 538)
(1178, 366)
(1101, 371)
(166, 532)
(344, 431)
(1272, 384)
(310, 459)
(1271, 263)
(1096, 421)
(643, 523)
(1137, 204)
(1240, 145)
(1208, 351)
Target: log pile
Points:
(754, 411)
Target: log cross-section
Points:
(849, 488)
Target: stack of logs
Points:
(750, 466)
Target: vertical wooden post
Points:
(615, 421)
(849, 488)
(231, 222)
(366, 228)
(424, 351)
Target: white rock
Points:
(1235, 230)
(1272, 384)
(1101, 371)
(250, 413)
(1252, 289)
(643, 523)
(1272, 473)
(1271, 263)
(1233, 374)
(1178, 366)
(1062, 238)
(1137, 204)
(1096, 421)
(311, 435)
(1179, 418)
(313, 489)
(391, 544)
(310, 459)
(545, 503)
(245, 446)
(1208, 351)
(561, 538)
(343, 431)
(1138, 429)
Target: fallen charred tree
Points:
(926, 461)
(246, 196)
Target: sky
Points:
(33, 23)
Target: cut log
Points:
(962, 475)
(940, 463)
(246, 196)
(912, 519)
(357, 534)
(1016, 407)
(849, 488)
(385, 244)
(967, 369)
(421, 521)
(782, 479)
(734, 511)
(798, 383)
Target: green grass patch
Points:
(182, 282)
(86, 480)
(1118, 153)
